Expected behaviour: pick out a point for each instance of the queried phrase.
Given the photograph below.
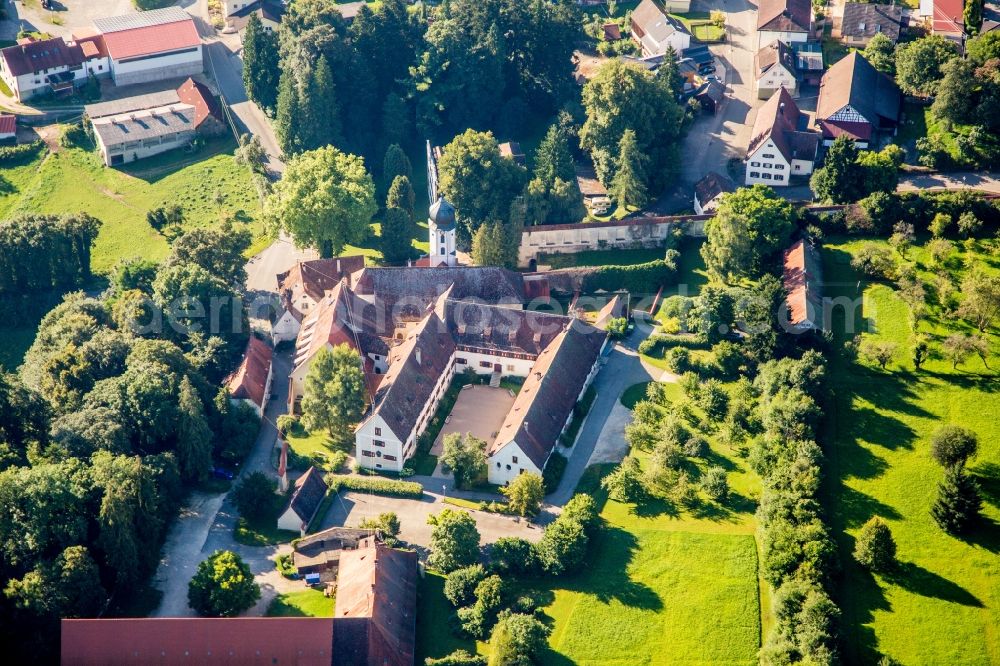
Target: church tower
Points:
(441, 225)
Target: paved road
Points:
(713, 140)
(982, 180)
(351, 508)
(223, 63)
(277, 258)
(74, 14)
(622, 369)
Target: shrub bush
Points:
(377, 485)
(460, 585)
(554, 470)
(638, 279)
(24, 152)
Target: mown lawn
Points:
(306, 603)
(942, 605)
(74, 180)
(654, 577)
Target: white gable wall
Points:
(508, 462)
(765, 37)
(774, 78)
(767, 166)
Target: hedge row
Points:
(376, 485)
(637, 279)
(15, 153)
(655, 344)
(798, 553)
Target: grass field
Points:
(306, 603)
(942, 606)
(75, 180)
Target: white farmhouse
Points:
(655, 32)
(35, 67)
(777, 149)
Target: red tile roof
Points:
(784, 15)
(375, 616)
(315, 278)
(152, 39)
(8, 124)
(204, 641)
(249, 380)
(201, 98)
(802, 282)
(947, 16)
(38, 55)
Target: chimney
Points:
(417, 352)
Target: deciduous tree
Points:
(918, 64)
(334, 396)
(223, 586)
(750, 226)
(875, 548)
(454, 540)
(326, 200)
(465, 456)
(524, 494)
(952, 445)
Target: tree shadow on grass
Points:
(988, 477)
(856, 507)
(728, 510)
(985, 534)
(861, 597)
(605, 576)
(914, 578)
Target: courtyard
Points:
(480, 411)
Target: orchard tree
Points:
(881, 352)
(524, 494)
(465, 456)
(952, 445)
(751, 225)
(715, 483)
(622, 97)
(625, 483)
(918, 64)
(326, 200)
(396, 236)
(454, 540)
(875, 548)
(958, 502)
(260, 64)
(334, 396)
(957, 348)
(223, 586)
(981, 298)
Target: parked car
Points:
(600, 205)
(707, 69)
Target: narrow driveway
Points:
(622, 369)
(206, 522)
